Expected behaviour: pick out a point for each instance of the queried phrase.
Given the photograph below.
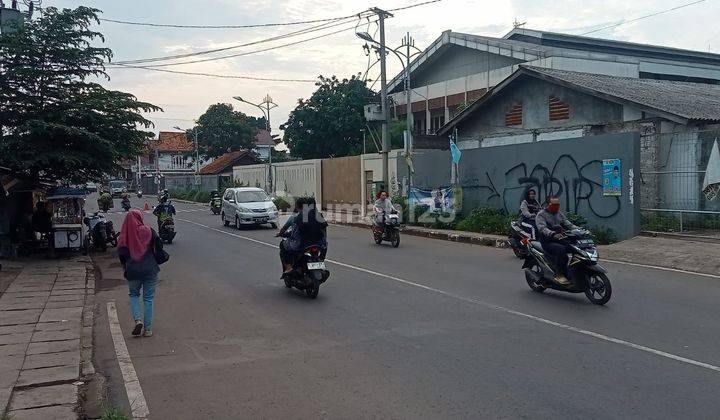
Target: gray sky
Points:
(185, 97)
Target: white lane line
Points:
(138, 405)
(566, 327)
(674, 270)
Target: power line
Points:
(222, 76)
(247, 44)
(643, 17)
(410, 6)
(223, 57)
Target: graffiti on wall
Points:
(578, 186)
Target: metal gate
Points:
(680, 175)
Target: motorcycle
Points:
(215, 205)
(390, 232)
(126, 204)
(584, 272)
(308, 272)
(100, 232)
(167, 230)
(518, 231)
(139, 193)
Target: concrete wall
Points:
(372, 162)
(497, 177)
(187, 182)
(252, 175)
(341, 181)
(300, 178)
(534, 94)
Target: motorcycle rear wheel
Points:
(536, 287)
(598, 289)
(312, 289)
(395, 240)
(377, 238)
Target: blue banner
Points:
(440, 200)
(612, 177)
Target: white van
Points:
(248, 206)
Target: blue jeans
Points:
(148, 290)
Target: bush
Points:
(281, 204)
(603, 235)
(576, 219)
(486, 220)
(660, 223)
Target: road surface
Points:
(432, 329)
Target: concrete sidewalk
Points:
(681, 254)
(46, 316)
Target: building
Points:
(457, 69)
(223, 165)
(264, 142)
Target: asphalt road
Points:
(432, 329)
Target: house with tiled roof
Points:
(223, 165)
(171, 153)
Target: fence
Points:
(680, 174)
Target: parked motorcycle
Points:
(520, 230)
(100, 232)
(308, 272)
(216, 205)
(389, 232)
(167, 230)
(584, 273)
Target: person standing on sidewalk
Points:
(137, 246)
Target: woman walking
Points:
(137, 246)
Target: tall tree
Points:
(222, 129)
(54, 121)
(329, 124)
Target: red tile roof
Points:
(230, 159)
(263, 138)
(171, 141)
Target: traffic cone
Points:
(147, 206)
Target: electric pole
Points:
(383, 96)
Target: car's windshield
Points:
(118, 184)
(251, 196)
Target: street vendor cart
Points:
(67, 206)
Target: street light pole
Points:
(383, 97)
(408, 41)
(269, 104)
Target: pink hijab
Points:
(134, 235)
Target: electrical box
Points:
(373, 112)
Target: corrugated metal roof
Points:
(693, 101)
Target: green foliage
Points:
(486, 220)
(603, 235)
(397, 136)
(659, 223)
(56, 123)
(221, 129)
(329, 124)
(114, 414)
(576, 219)
(282, 204)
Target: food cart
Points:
(67, 205)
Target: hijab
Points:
(134, 235)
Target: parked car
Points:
(248, 206)
(91, 187)
(118, 187)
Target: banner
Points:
(440, 200)
(612, 177)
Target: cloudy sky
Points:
(184, 97)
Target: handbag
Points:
(161, 256)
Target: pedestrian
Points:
(138, 246)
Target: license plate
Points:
(262, 219)
(316, 265)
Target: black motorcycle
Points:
(308, 272)
(126, 205)
(390, 232)
(520, 230)
(101, 232)
(215, 205)
(584, 273)
(167, 230)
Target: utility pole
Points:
(383, 96)
(265, 106)
(408, 42)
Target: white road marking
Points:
(674, 270)
(138, 405)
(492, 306)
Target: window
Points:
(514, 115)
(251, 196)
(436, 122)
(557, 109)
(178, 161)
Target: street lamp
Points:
(265, 106)
(197, 153)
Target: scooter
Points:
(520, 230)
(309, 271)
(100, 232)
(126, 204)
(584, 273)
(139, 193)
(215, 205)
(390, 232)
(167, 230)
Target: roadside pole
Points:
(383, 97)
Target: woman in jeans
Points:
(136, 246)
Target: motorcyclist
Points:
(214, 194)
(285, 231)
(529, 208)
(125, 199)
(308, 228)
(552, 224)
(164, 211)
(383, 206)
(163, 196)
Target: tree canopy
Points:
(221, 129)
(56, 122)
(330, 123)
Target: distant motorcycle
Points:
(389, 232)
(216, 205)
(309, 271)
(126, 204)
(100, 232)
(139, 193)
(584, 273)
